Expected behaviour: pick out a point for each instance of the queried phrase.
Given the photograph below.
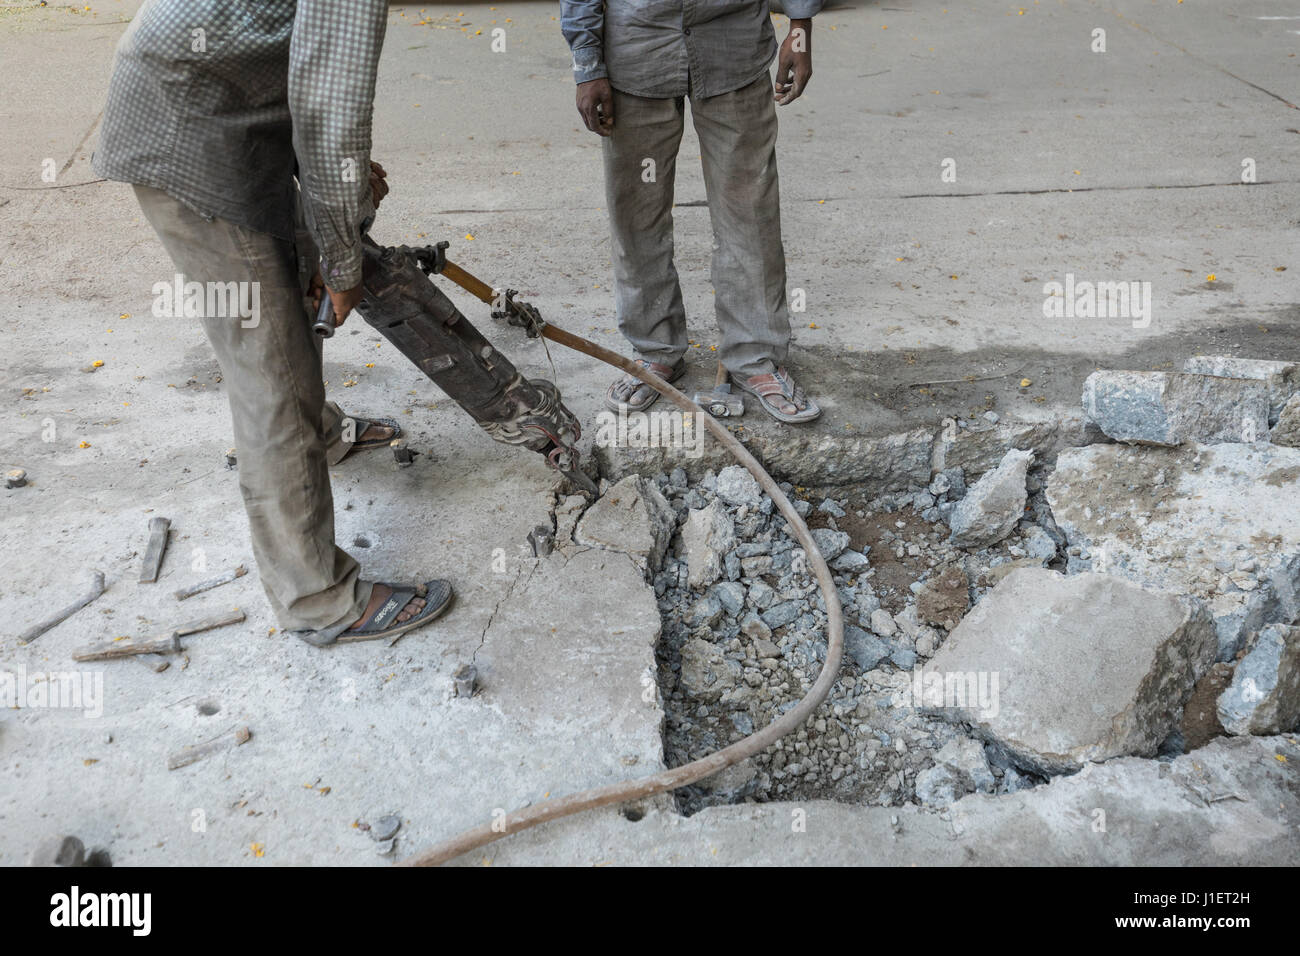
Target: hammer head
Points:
(722, 402)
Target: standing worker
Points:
(635, 63)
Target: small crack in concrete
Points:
(496, 607)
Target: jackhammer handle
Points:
(471, 284)
(324, 323)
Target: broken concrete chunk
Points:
(965, 758)
(830, 543)
(1058, 671)
(631, 517)
(850, 562)
(706, 674)
(1183, 519)
(939, 786)
(705, 612)
(993, 504)
(732, 596)
(736, 486)
(707, 536)
(782, 614)
(865, 650)
(1264, 697)
(1038, 544)
(1287, 429)
(1170, 408)
(568, 511)
(963, 454)
(732, 783)
(752, 626)
(882, 622)
(1282, 379)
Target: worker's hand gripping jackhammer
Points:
(424, 325)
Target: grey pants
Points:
(737, 133)
(285, 432)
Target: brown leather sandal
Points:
(780, 396)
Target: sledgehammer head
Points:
(722, 402)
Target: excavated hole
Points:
(866, 744)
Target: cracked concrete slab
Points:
(1235, 802)
(1218, 522)
(918, 309)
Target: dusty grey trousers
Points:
(283, 426)
(737, 133)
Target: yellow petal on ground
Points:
(99, 363)
(469, 237)
(84, 444)
(1025, 383)
(1211, 277)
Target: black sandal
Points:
(383, 623)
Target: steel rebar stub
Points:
(465, 680)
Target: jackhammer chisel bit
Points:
(404, 305)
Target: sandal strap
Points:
(387, 612)
(780, 383)
(627, 387)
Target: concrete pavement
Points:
(1117, 166)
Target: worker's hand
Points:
(596, 105)
(794, 63)
(315, 289)
(378, 183)
(344, 302)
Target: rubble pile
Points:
(1033, 608)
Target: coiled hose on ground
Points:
(706, 766)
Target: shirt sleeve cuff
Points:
(803, 9)
(589, 64)
(341, 269)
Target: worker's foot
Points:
(379, 595)
(629, 394)
(372, 433)
(377, 433)
(391, 611)
(780, 396)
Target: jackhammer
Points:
(425, 326)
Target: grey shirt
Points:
(220, 103)
(666, 48)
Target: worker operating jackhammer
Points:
(228, 117)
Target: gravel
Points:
(743, 647)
